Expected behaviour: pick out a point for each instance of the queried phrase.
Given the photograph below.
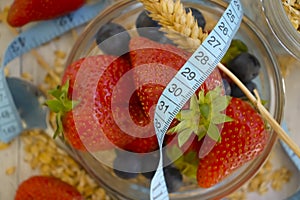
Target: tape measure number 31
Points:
(201, 64)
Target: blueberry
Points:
(149, 28)
(245, 66)
(149, 164)
(198, 16)
(226, 86)
(113, 39)
(237, 92)
(173, 177)
(144, 20)
(127, 165)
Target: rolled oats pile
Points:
(292, 9)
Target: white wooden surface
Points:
(13, 156)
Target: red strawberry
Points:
(242, 139)
(46, 188)
(155, 65)
(96, 122)
(142, 145)
(22, 12)
(145, 143)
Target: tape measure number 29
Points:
(201, 64)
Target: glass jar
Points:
(281, 26)
(270, 86)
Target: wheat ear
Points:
(180, 26)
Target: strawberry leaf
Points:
(202, 116)
(214, 132)
(186, 163)
(59, 128)
(219, 104)
(220, 118)
(55, 105)
(184, 136)
(60, 105)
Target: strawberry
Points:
(143, 144)
(95, 122)
(155, 65)
(22, 12)
(46, 188)
(243, 139)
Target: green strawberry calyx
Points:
(205, 113)
(186, 163)
(60, 104)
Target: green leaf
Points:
(205, 110)
(220, 104)
(213, 94)
(201, 132)
(194, 106)
(186, 163)
(185, 114)
(55, 105)
(60, 105)
(220, 118)
(56, 92)
(65, 87)
(183, 136)
(213, 132)
(201, 97)
(59, 129)
(174, 152)
(236, 47)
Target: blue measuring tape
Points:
(203, 61)
(10, 122)
(289, 151)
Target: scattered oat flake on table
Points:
(43, 154)
(4, 145)
(267, 178)
(10, 170)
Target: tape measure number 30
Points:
(201, 64)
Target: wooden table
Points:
(13, 156)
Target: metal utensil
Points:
(28, 100)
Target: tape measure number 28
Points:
(201, 64)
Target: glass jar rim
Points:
(282, 27)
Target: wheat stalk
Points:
(175, 22)
(180, 26)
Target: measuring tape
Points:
(289, 151)
(10, 122)
(201, 64)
